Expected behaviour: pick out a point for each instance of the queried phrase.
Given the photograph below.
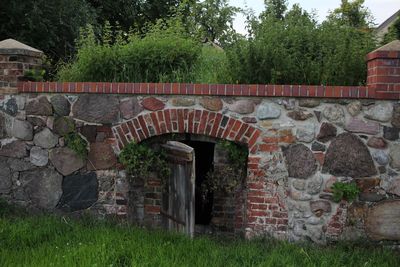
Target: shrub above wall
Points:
(155, 58)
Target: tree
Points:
(296, 49)
(393, 33)
(275, 8)
(213, 20)
(51, 26)
(135, 14)
(353, 14)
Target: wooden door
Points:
(178, 207)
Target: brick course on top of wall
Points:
(255, 90)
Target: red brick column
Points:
(384, 71)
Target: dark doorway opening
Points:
(204, 154)
(214, 210)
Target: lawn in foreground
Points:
(55, 241)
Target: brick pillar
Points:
(15, 59)
(384, 70)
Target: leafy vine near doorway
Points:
(140, 160)
(227, 177)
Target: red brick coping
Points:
(254, 90)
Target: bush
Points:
(298, 50)
(158, 57)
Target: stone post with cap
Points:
(16, 59)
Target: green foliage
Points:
(275, 9)
(75, 142)
(54, 241)
(237, 154)
(140, 160)
(158, 57)
(393, 32)
(51, 26)
(160, 41)
(343, 52)
(212, 66)
(213, 20)
(227, 177)
(34, 75)
(347, 191)
(352, 13)
(132, 14)
(298, 50)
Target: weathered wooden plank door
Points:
(178, 207)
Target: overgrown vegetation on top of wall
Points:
(295, 49)
(160, 56)
(283, 47)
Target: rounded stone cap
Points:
(13, 47)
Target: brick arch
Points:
(260, 210)
(193, 121)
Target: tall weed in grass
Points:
(55, 241)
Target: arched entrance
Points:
(257, 192)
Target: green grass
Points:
(55, 241)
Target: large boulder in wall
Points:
(383, 221)
(79, 192)
(43, 187)
(97, 108)
(348, 156)
(300, 161)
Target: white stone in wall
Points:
(334, 114)
(268, 111)
(381, 157)
(305, 133)
(381, 112)
(38, 156)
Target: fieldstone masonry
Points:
(301, 140)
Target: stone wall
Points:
(301, 140)
(298, 147)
